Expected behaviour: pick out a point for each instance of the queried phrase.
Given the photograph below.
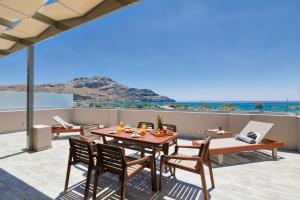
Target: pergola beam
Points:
(58, 27)
(4, 53)
(6, 23)
(49, 21)
(16, 39)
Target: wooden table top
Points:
(147, 138)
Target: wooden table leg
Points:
(154, 167)
(104, 139)
(165, 148)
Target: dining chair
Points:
(81, 152)
(112, 159)
(194, 164)
(148, 124)
(165, 147)
(86, 133)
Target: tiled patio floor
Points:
(41, 175)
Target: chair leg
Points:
(87, 185)
(162, 160)
(172, 171)
(210, 172)
(68, 173)
(143, 153)
(123, 187)
(96, 183)
(204, 188)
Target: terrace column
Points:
(298, 133)
(30, 97)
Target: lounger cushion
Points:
(226, 143)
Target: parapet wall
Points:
(189, 124)
(11, 121)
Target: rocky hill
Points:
(96, 88)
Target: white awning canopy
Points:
(26, 22)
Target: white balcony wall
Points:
(16, 120)
(285, 128)
(91, 116)
(189, 124)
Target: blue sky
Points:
(184, 49)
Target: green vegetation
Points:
(294, 107)
(259, 106)
(227, 107)
(116, 105)
(205, 107)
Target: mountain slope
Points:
(96, 88)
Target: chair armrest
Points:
(182, 157)
(138, 161)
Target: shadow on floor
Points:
(245, 157)
(65, 136)
(138, 188)
(13, 154)
(12, 188)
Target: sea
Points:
(268, 106)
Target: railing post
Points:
(30, 97)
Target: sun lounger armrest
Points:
(187, 147)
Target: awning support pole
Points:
(30, 93)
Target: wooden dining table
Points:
(146, 144)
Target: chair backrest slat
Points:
(204, 148)
(111, 158)
(81, 151)
(171, 127)
(148, 124)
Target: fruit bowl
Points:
(128, 130)
(161, 133)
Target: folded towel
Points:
(245, 139)
(252, 135)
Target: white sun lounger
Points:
(219, 147)
(64, 127)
